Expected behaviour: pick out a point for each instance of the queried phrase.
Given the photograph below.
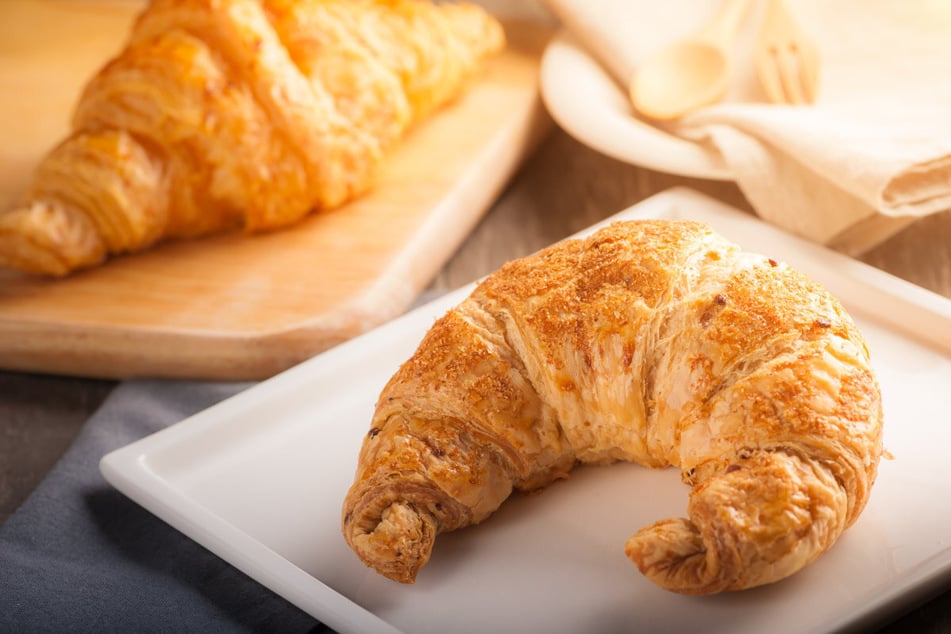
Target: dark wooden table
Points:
(40, 415)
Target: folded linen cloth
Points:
(871, 155)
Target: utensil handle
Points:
(724, 25)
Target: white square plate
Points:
(259, 479)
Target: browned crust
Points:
(656, 342)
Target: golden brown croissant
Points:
(656, 342)
(221, 114)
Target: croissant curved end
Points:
(671, 553)
(399, 545)
(48, 239)
(751, 525)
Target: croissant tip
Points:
(47, 239)
(671, 554)
(397, 544)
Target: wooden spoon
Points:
(691, 73)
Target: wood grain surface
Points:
(237, 306)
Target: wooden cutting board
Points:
(235, 306)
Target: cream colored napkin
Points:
(870, 156)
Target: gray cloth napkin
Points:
(78, 556)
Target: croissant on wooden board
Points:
(224, 114)
(657, 342)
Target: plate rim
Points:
(127, 470)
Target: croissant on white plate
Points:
(656, 342)
(226, 114)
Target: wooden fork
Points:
(787, 61)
